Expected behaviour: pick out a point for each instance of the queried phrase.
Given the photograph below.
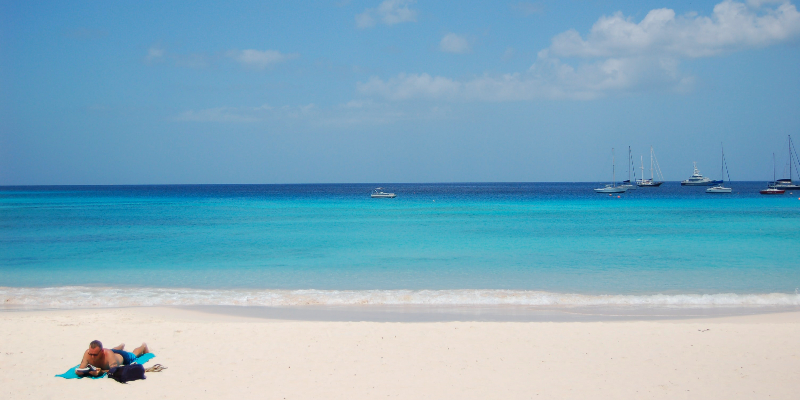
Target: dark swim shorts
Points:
(127, 356)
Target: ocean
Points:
(531, 244)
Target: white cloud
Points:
(453, 43)
(618, 56)
(259, 59)
(732, 26)
(410, 86)
(389, 12)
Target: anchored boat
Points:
(612, 188)
(720, 188)
(378, 193)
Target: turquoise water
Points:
(457, 243)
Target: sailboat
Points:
(627, 184)
(771, 189)
(651, 182)
(613, 188)
(786, 183)
(720, 188)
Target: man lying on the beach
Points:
(105, 359)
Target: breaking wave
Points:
(86, 297)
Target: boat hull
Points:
(707, 183)
(772, 191)
(649, 184)
(611, 190)
(718, 189)
(383, 196)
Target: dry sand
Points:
(218, 357)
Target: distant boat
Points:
(720, 188)
(378, 193)
(698, 179)
(771, 189)
(651, 182)
(787, 183)
(612, 188)
(627, 183)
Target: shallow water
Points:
(515, 243)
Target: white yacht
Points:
(378, 193)
(698, 179)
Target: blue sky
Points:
(392, 91)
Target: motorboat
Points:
(651, 182)
(612, 188)
(772, 190)
(720, 188)
(378, 193)
(698, 179)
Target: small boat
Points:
(771, 189)
(698, 179)
(720, 188)
(651, 182)
(787, 183)
(612, 188)
(627, 184)
(378, 193)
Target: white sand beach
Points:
(212, 356)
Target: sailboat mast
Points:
(630, 162)
(651, 163)
(641, 160)
(613, 172)
(773, 167)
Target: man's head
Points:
(95, 348)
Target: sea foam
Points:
(66, 297)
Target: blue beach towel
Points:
(72, 375)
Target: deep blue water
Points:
(551, 237)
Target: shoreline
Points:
(438, 313)
(70, 297)
(211, 355)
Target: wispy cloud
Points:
(155, 54)
(245, 114)
(363, 112)
(389, 12)
(249, 58)
(617, 56)
(527, 8)
(159, 54)
(259, 59)
(452, 43)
